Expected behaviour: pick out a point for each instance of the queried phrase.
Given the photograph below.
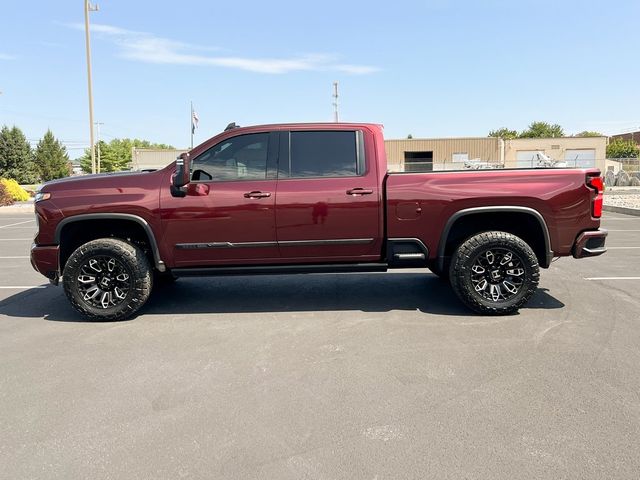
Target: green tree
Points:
(542, 130)
(588, 133)
(620, 148)
(409, 137)
(116, 155)
(504, 133)
(51, 158)
(16, 157)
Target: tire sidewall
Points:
(465, 258)
(134, 262)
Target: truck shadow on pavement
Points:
(281, 293)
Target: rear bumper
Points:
(44, 259)
(590, 243)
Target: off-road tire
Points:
(467, 256)
(131, 261)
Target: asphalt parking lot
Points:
(326, 376)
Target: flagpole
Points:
(191, 125)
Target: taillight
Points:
(598, 185)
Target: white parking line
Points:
(621, 248)
(23, 287)
(624, 230)
(19, 223)
(612, 278)
(13, 239)
(26, 256)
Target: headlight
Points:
(42, 196)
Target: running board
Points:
(406, 253)
(280, 269)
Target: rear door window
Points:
(323, 154)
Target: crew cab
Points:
(306, 198)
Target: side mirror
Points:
(182, 175)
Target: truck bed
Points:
(421, 204)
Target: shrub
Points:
(5, 198)
(620, 148)
(15, 191)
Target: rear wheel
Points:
(107, 279)
(494, 273)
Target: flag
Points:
(194, 121)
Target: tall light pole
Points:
(98, 169)
(90, 8)
(335, 102)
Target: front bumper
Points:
(44, 259)
(590, 243)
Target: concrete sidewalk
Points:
(627, 202)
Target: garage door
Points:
(527, 158)
(583, 158)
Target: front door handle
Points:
(359, 191)
(257, 194)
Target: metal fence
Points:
(629, 165)
(622, 172)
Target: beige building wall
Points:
(148, 158)
(486, 149)
(555, 148)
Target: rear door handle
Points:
(257, 194)
(359, 191)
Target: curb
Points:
(625, 210)
(26, 209)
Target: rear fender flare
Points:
(505, 208)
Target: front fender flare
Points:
(159, 264)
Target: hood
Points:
(98, 180)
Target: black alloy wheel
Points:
(497, 274)
(104, 282)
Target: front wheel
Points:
(494, 273)
(107, 279)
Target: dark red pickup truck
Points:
(306, 198)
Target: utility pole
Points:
(335, 102)
(90, 8)
(98, 145)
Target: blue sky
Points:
(436, 68)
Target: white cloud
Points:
(149, 48)
(6, 56)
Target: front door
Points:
(228, 214)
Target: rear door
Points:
(328, 197)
